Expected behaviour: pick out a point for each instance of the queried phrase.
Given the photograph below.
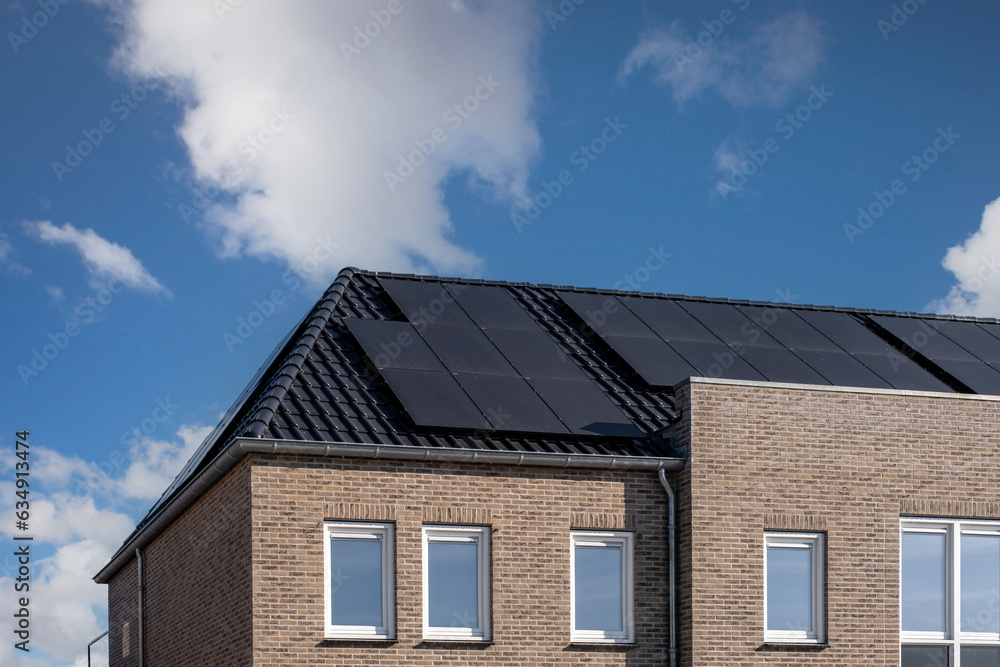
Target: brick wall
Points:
(530, 510)
(848, 463)
(198, 587)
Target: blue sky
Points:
(172, 167)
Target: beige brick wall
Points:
(530, 510)
(847, 463)
(198, 590)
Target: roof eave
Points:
(241, 447)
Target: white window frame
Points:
(815, 542)
(953, 637)
(361, 531)
(624, 541)
(479, 535)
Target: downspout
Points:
(672, 574)
(142, 587)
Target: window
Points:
(601, 592)
(457, 583)
(359, 581)
(949, 593)
(793, 588)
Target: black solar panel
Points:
(510, 404)
(841, 369)
(990, 328)
(606, 315)
(669, 320)
(492, 307)
(584, 408)
(652, 359)
(779, 365)
(425, 302)
(729, 324)
(390, 344)
(974, 374)
(974, 338)
(924, 337)
(789, 329)
(715, 360)
(534, 354)
(845, 331)
(434, 399)
(901, 373)
(466, 350)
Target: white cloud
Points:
(56, 293)
(7, 256)
(103, 259)
(779, 57)
(78, 514)
(976, 265)
(155, 463)
(331, 115)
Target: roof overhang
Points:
(241, 447)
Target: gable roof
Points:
(445, 363)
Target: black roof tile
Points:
(319, 384)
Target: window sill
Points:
(786, 645)
(591, 645)
(468, 644)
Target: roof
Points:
(450, 363)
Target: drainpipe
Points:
(672, 576)
(142, 587)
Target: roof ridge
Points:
(295, 358)
(677, 297)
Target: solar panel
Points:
(584, 408)
(652, 359)
(924, 337)
(978, 376)
(841, 369)
(425, 302)
(845, 331)
(466, 350)
(510, 404)
(606, 315)
(729, 324)
(668, 320)
(715, 360)
(789, 329)
(434, 399)
(779, 365)
(492, 306)
(990, 328)
(900, 372)
(973, 338)
(535, 354)
(389, 344)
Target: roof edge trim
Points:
(240, 447)
(841, 389)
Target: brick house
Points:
(436, 471)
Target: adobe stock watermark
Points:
(248, 149)
(102, 476)
(223, 7)
(915, 168)
(714, 28)
(364, 34)
(30, 25)
(295, 277)
(121, 107)
(454, 116)
(85, 312)
(786, 126)
(564, 10)
(898, 17)
(581, 158)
